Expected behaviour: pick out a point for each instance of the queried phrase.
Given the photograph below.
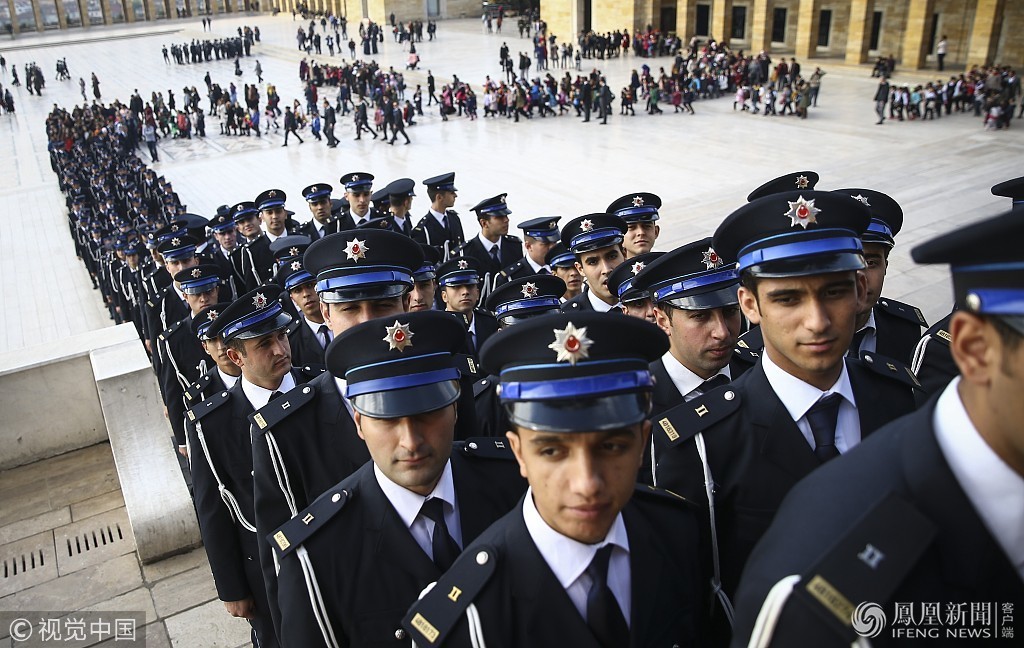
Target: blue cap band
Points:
(799, 248)
(693, 282)
(567, 258)
(245, 214)
(203, 328)
(502, 207)
(355, 186)
(187, 251)
(460, 278)
(537, 302)
(297, 279)
(316, 195)
(270, 312)
(222, 227)
(392, 383)
(425, 272)
(379, 275)
(624, 214)
(270, 204)
(999, 301)
(542, 234)
(593, 236)
(192, 285)
(586, 386)
(879, 227)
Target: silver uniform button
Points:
(472, 446)
(400, 634)
(335, 497)
(729, 395)
(305, 390)
(868, 359)
(482, 558)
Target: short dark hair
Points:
(1009, 336)
(432, 193)
(236, 344)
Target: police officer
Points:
(459, 281)
(358, 189)
(539, 235)
(799, 261)
(222, 374)
(318, 199)
(929, 510)
(563, 265)
(493, 248)
(795, 181)
(353, 561)
(258, 264)
(309, 334)
(424, 289)
(633, 301)
(400, 194)
(587, 558)
(596, 242)
(640, 211)
(184, 360)
(888, 327)
(169, 306)
(248, 228)
(441, 227)
(225, 233)
(253, 329)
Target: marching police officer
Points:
(358, 189)
(441, 227)
(587, 558)
(563, 265)
(459, 281)
(596, 242)
(318, 199)
(640, 212)
(222, 374)
(354, 560)
(633, 301)
(400, 194)
(539, 235)
(494, 248)
(309, 334)
(929, 510)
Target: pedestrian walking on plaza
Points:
(149, 135)
(259, 72)
(881, 98)
(81, 86)
(397, 124)
(815, 84)
(361, 120)
(330, 119)
(290, 125)
(95, 86)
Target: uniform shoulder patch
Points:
(273, 413)
(482, 385)
(484, 448)
(466, 364)
(310, 371)
(903, 311)
(890, 368)
(195, 392)
(749, 346)
(172, 329)
(654, 493)
(297, 530)
(431, 619)
(209, 405)
(943, 336)
(683, 421)
(294, 326)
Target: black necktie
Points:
(324, 334)
(544, 271)
(713, 383)
(822, 418)
(604, 616)
(442, 544)
(273, 396)
(858, 339)
(444, 222)
(494, 255)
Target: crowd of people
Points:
(204, 51)
(324, 407)
(991, 93)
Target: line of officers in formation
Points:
(396, 433)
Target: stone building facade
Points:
(978, 32)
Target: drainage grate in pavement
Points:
(93, 540)
(26, 563)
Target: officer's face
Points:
(875, 258)
(202, 300)
(581, 480)
(537, 249)
(807, 322)
(227, 239)
(572, 278)
(413, 450)
(640, 238)
(494, 226)
(307, 300)
(320, 208)
(702, 340)
(461, 299)
(640, 308)
(266, 359)
(132, 260)
(174, 266)
(359, 202)
(217, 350)
(342, 317)
(249, 227)
(596, 266)
(446, 199)
(274, 219)
(422, 295)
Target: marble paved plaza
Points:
(702, 166)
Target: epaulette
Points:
(661, 495)
(571, 304)
(172, 329)
(890, 368)
(294, 326)
(431, 618)
(482, 385)
(310, 371)
(687, 419)
(195, 390)
(513, 237)
(466, 364)
(462, 317)
(749, 346)
(904, 311)
(273, 413)
(418, 227)
(297, 530)
(484, 448)
(507, 272)
(943, 336)
(207, 406)
(868, 563)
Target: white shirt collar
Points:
(536, 268)
(273, 238)
(567, 558)
(870, 324)
(994, 489)
(398, 220)
(798, 396)
(438, 216)
(313, 326)
(259, 396)
(407, 503)
(488, 244)
(685, 380)
(599, 305)
(229, 381)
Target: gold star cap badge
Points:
(863, 199)
(463, 264)
(296, 265)
(398, 336)
(571, 344)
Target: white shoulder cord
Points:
(771, 609)
(922, 344)
(316, 599)
(225, 495)
(716, 579)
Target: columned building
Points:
(978, 32)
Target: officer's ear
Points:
(974, 348)
(516, 444)
(358, 418)
(747, 296)
(861, 280)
